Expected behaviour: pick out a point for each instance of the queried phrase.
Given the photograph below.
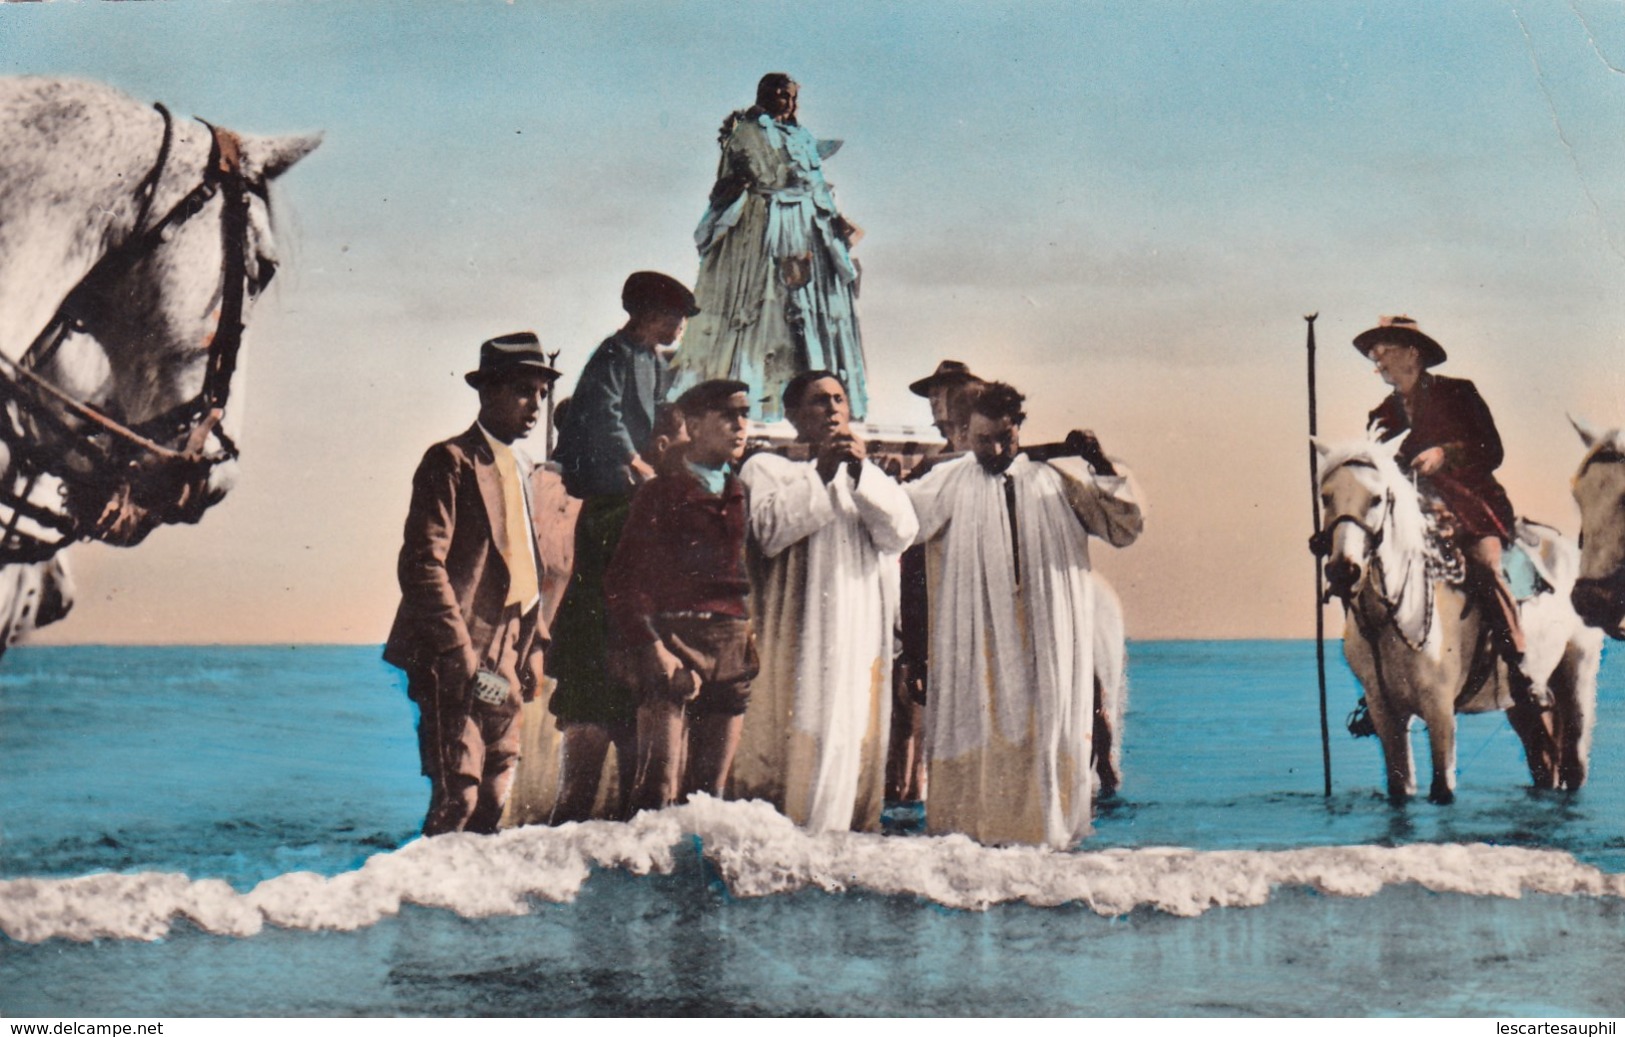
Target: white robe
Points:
(825, 601)
(1010, 699)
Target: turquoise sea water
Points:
(228, 820)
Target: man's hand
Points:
(1428, 461)
(849, 233)
(908, 685)
(454, 670)
(531, 675)
(841, 448)
(641, 470)
(1090, 450)
(666, 676)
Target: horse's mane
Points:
(1408, 552)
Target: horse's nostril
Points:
(1600, 603)
(1342, 573)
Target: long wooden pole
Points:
(1320, 575)
(552, 361)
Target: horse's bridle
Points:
(1321, 542)
(1375, 577)
(120, 481)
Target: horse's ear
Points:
(1321, 448)
(266, 158)
(1391, 447)
(1588, 435)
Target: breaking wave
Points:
(754, 851)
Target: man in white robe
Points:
(1010, 709)
(825, 534)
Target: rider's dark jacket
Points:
(1449, 413)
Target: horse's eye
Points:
(260, 276)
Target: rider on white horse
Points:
(1453, 448)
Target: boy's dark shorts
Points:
(722, 650)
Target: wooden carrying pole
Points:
(552, 396)
(1320, 574)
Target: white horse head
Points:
(1373, 528)
(132, 244)
(1599, 490)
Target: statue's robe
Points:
(824, 574)
(777, 285)
(1010, 692)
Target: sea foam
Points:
(758, 852)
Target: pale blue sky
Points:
(1123, 208)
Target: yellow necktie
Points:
(520, 556)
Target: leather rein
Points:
(120, 481)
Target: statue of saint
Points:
(777, 279)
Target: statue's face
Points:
(779, 100)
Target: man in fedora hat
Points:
(605, 452)
(1454, 447)
(935, 387)
(469, 631)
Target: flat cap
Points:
(708, 396)
(650, 290)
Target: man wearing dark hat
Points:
(935, 387)
(604, 441)
(678, 595)
(1454, 447)
(469, 632)
(949, 389)
(612, 413)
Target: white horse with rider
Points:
(1422, 646)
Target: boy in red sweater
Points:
(678, 594)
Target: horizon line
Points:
(379, 644)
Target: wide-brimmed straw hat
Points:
(506, 354)
(1402, 331)
(949, 372)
